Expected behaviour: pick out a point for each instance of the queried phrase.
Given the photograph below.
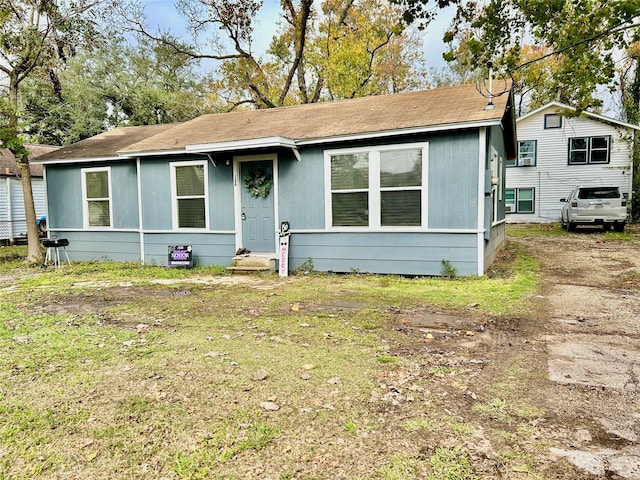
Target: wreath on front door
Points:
(258, 182)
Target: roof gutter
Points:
(58, 161)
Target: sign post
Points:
(283, 270)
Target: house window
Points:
(527, 153)
(97, 196)
(377, 188)
(188, 184)
(586, 150)
(552, 120)
(519, 200)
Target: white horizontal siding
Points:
(552, 177)
(4, 199)
(12, 211)
(37, 187)
(17, 200)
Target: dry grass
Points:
(108, 380)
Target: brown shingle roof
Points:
(105, 145)
(449, 105)
(457, 105)
(8, 161)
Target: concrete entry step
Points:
(253, 262)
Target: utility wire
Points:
(609, 31)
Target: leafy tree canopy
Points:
(565, 50)
(123, 83)
(322, 50)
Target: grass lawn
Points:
(119, 371)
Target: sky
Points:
(163, 13)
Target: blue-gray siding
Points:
(452, 189)
(125, 195)
(452, 199)
(64, 195)
(453, 180)
(106, 246)
(302, 189)
(156, 194)
(399, 253)
(208, 248)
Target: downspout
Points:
(9, 209)
(482, 166)
(46, 198)
(140, 222)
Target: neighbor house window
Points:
(519, 200)
(552, 120)
(586, 150)
(527, 153)
(97, 196)
(383, 187)
(189, 187)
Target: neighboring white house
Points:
(12, 215)
(557, 152)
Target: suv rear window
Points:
(595, 193)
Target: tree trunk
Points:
(34, 251)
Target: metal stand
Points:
(53, 253)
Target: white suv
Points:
(604, 206)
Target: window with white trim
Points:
(378, 187)
(526, 154)
(189, 191)
(96, 192)
(520, 200)
(587, 150)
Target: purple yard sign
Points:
(180, 256)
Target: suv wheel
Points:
(619, 227)
(571, 227)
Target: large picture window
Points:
(375, 188)
(520, 200)
(97, 196)
(587, 150)
(189, 187)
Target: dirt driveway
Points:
(589, 328)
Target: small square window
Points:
(552, 120)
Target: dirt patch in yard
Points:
(589, 326)
(550, 394)
(566, 376)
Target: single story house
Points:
(393, 184)
(557, 152)
(13, 224)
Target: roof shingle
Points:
(8, 165)
(457, 105)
